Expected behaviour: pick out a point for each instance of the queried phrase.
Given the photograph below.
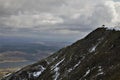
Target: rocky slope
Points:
(95, 57)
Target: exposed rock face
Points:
(95, 57)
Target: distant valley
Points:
(16, 54)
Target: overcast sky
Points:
(60, 20)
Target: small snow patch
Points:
(56, 69)
(100, 71)
(38, 73)
(100, 68)
(69, 70)
(47, 62)
(93, 49)
(57, 64)
(117, 28)
(95, 46)
(77, 64)
(86, 73)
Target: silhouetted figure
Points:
(103, 25)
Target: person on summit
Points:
(103, 25)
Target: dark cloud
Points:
(56, 19)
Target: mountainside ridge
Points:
(95, 57)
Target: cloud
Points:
(30, 20)
(91, 14)
(56, 18)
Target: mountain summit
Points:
(95, 57)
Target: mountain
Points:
(95, 57)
